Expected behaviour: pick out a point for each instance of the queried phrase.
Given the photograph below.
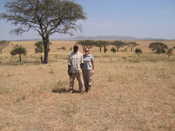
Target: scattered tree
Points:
(118, 44)
(18, 50)
(44, 16)
(86, 43)
(158, 47)
(132, 45)
(105, 49)
(102, 43)
(99, 44)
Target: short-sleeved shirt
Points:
(87, 62)
(75, 60)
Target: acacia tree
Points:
(132, 45)
(118, 44)
(44, 16)
(102, 44)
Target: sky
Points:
(137, 18)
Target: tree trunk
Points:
(117, 49)
(46, 49)
(20, 59)
(100, 49)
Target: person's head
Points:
(86, 51)
(75, 48)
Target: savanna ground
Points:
(130, 92)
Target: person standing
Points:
(75, 61)
(88, 69)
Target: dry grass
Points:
(130, 93)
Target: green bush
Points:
(113, 50)
(158, 47)
(18, 50)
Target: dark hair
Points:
(75, 48)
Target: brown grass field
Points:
(130, 92)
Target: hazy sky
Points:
(138, 18)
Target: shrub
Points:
(18, 50)
(158, 47)
(138, 51)
(170, 52)
(113, 50)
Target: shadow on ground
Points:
(63, 90)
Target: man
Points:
(88, 69)
(75, 61)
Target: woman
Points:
(88, 69)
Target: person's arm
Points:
(92, 61)
(69, 64)
(82, 62)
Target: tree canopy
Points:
(158, 47)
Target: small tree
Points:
(170, 52)
(118, 44)
(113, 50)
(158, 47)
(102, 44)
(18, 50)
(132, 45)
(138, 51)
(105, 49)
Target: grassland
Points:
(130, 92)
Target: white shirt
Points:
(74, 60)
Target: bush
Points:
(158, 47)
(170, 52)
(113, 50)
(18, 50)
(138, 51)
